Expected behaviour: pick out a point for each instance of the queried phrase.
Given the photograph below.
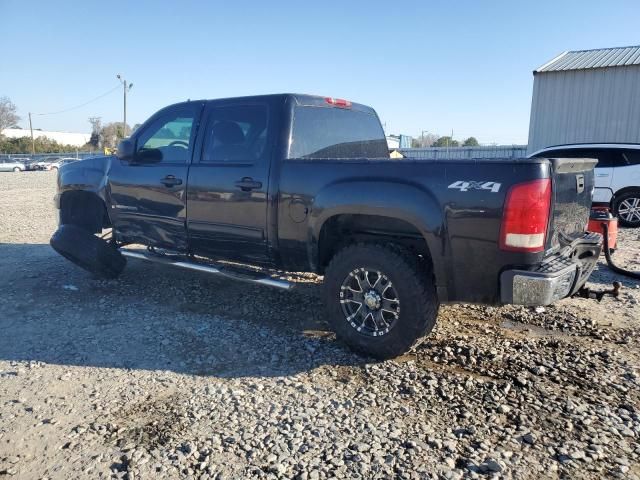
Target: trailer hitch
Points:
(586, 292)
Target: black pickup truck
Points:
(305, 183)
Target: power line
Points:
(82, 104)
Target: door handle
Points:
(247, 184)
(170, 181)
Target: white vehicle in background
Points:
(11, 165)
(44, 163)
(617, 175)
(63, 161)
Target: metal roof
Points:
(587, 59)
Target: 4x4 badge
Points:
(466, 185)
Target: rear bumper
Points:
(558, 276)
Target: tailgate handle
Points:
(580, 183)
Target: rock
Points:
(521, 381)
(361, 447)
(491, 466)
(529, 439)
(577, 455)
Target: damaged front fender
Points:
(89, 175)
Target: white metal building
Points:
(63, 138)
(586, 96)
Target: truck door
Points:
(227, 185)
(148, 193)
(626, 171)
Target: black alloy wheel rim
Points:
(370, 302)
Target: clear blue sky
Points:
(424, 65)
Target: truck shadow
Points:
(159, 318)
(162, 318)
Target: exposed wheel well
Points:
(342, 230)
(84, 209)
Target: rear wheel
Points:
(380, 300)
(16, 169)
(627, 208)
(88, 251)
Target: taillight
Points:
(526, 216)
(338, 102)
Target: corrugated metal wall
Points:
(462, 153)
(585, 106)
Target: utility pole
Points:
(125, 88)
(33, 144)
(422, 135)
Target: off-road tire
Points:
(410, 276)
(633, 194)
(88, 251)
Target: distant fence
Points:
(462, 153)
(28, 158)
(431, 153)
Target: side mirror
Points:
(126, 150)
(148, 155)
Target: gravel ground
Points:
(171, 374)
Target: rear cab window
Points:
(320, 132)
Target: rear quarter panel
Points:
(460, 225)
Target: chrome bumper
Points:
(522, 287)
(559, 276)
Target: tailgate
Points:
(573, 182)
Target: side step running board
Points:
(201, 267)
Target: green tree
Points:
(471, 142)
(42, 145)
(445, 142)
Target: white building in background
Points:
(393, 142)
(64, 138)
(586, 96)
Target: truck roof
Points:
(298, 98)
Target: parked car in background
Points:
(617, 175)
(44, 163)
(63, 161)
(12, 165)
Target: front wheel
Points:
(627, 208)
(380, 300)
(16, 169)
(88, 251)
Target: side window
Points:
(236, 133)
(170, 136)
(605, 159)
(632, 157)
(618, 159)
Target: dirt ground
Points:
(165, 373)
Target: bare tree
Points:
(112, 133)
(424, 140)
(8, 116)
(96, 127)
